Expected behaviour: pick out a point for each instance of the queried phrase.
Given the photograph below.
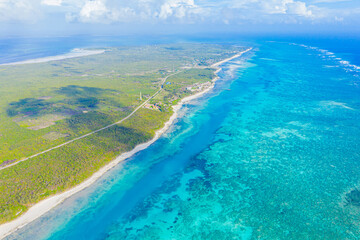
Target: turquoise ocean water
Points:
(273, 152)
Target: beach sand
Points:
(77, 52)
(47, 204)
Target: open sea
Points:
(272, 152)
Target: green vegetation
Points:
(44, 105)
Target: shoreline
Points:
(42, 207)
(77, 52)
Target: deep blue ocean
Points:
(272, 152)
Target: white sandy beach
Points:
(216, 65)
(77, 52)
(47, 204)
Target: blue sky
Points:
(106, 16)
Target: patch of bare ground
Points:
(37, 123)
(55, 135)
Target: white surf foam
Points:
(326, 54)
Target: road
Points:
(98, 130)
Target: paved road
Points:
(91, 133)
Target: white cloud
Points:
(19, 10)
(107, 11)
(270, 7)
(101, 11)
(298, 8)
(177, 8)
(93, 11)
(52, 2)
(267, 11)
(331, 1)
(339, 19)
(177, 11)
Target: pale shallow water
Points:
(270, 154)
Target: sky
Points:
(176, 16)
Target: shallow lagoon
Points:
(271, 153)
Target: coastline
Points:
(42, 207)
(72, 54)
